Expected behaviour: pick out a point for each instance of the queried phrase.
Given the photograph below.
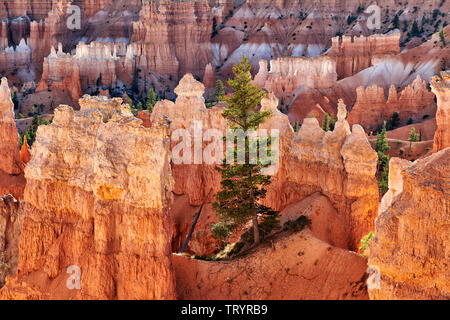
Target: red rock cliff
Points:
(98, 191)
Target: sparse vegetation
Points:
(326, 122)
(219, 91)
(4, 267)
(442, 37)
(298, 225)
(151, 100)
(365, 241)
(30, 133)
(413, 137)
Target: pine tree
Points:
(415, 29)
(296, 126)
(381, 147)
(395, 121)
(332, 122)
(220, 90)
(326, 122)
(395, 22)
(442, 37)
(242, 184)
(151, 100)
(413, 137)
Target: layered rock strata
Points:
(441, 87)
(354, 54)
(409, 255)
(11, 166)
(98, 191)
(310, 161)
(413, 104)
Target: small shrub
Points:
(4, 267)
(365, 242)
(298, 225)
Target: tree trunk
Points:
(255, 230)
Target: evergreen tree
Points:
(442, 37)
(242, 184)
(15, 100)
(413, 137)
(381, 147)
(332, 122)
(395, 21)
(395, 121)
(220, 90)
(151, 100)
(296, 125)
(415, 32)
(326, 122)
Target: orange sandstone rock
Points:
(441, 87)
(98, 190)
(293, 266)
(11, 166)
(410, 252)
(25, 155)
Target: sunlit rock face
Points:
(339, 164)
(410, 251)
(11, 166)
(98, 191)
(11, 217)
(396, 166)
(441, 87)
(291, 267)
(414, 103)
(354, 54)
(9, 143)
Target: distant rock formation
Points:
(409, 255)
(413, 104)
(289, 74)
(441, 87)
(98, 191)
(354, 54)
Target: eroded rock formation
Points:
(310, 161)
(98, 191)
(410, 252)
(354, 54)
(11, 167)
(441, 87)
(414, 103)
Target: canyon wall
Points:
(414, 103)
(441, 87)
(98, 191)
(172, 38)
(354, 54)
(287, 75)
(409, 256)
